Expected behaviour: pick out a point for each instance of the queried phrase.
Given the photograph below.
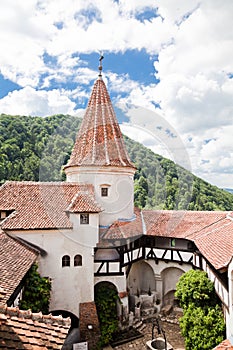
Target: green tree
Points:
(202, 327)
(195, 287)
(36, 292)
(202, 323)
(36, 148)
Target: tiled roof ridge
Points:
(28, 314)
(194, 234)
(48, 183)
(8, 217)
(26, 244)
(79, 194)
(73, 200)
(203, 228)
(135, 225)
(230, 216)
(230, 212)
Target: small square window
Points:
(173, 242)
(84, 219)
(104, 191)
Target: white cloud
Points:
(28, 101)
(29, 29)
(195, 91)
(152, 129)
(194, 41)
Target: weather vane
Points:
(100, 64)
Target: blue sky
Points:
(167, 65)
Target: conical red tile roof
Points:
(99, 141)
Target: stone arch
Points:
(117, 310)
(170, 276)
(107, 284)
(65, 314)
(141, 278)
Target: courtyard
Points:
(172, 332)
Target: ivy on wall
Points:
(106, 304)
(36, 292)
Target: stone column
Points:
(159, 285)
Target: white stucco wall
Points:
(118, 281)
(70, 285)
(120, 203)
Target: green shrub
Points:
(195, 287)
(202, 327)
(36, 292)
(202, 324)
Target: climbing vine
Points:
(106, 301)
(36, 292)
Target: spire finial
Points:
(100, 64)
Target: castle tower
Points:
(99, 157)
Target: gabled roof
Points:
(215, 242)
(83, 202)
(99, 141)
(15, 260)
(43, 205)
(21, 329)
(211, 231)
(179, 223)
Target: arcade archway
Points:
(170, 276)
(141, 278)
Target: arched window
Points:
(65, 260)
(78, 260)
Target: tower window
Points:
(104, 191)
(84, 219)
(78, 260)
(65, 261)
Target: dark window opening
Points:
(65, 260)
(78, 260)
(104, 191)
(84, 219)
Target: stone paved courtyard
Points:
(172, 332)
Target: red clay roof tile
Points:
(16, 334)
(212, 232)
(42, 205)
(15, 261)
(125, 229)
(83, 202)
(225, 345)
(99, 141)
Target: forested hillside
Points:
(35, 148)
